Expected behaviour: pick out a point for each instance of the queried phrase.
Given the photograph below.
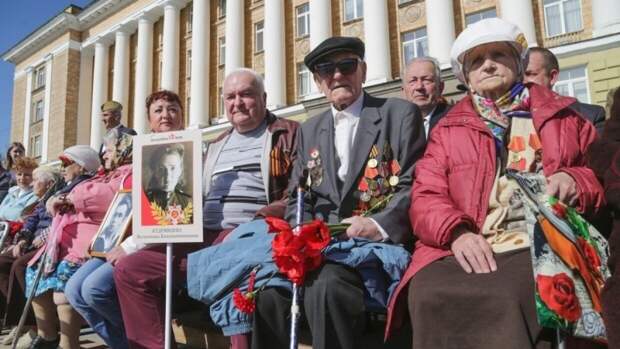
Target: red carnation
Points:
(15, 226)
(296, 254)
(558, 293)
(277, 225)
(244, 303)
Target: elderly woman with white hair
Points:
(470, 282)
(77, 216)
(78, 163)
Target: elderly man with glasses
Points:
(359, 151)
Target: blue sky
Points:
(18, 19)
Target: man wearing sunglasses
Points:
(359, 151)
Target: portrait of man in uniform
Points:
(114, 226)
(166, 182)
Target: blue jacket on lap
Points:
(213, 273)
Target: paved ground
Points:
(88, 340)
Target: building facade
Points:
(126, 49)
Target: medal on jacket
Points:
(315, 169)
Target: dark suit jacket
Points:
(382, 120)
(441, 110)
(594, 113)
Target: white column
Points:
(199, 90)
(605, 17)
(28, 108)
(85, 94)
(100, 92)
(120, 80)
(320, 21)
(320, 28)
(144, 73)
(170, 50)
(275, 62)
(46, 107)
(521, 14)
(377, 37)
(234, 35)
(440, 30)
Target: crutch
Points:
(4, 232)
(33, 291)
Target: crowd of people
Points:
(444, 172)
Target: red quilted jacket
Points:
(454, 178)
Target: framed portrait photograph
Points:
(115, 225)
(167, 173)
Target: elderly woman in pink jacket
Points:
(77, 217)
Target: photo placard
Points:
(167, 187)
(115, 225)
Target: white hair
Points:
(431, 60)
(258, 79)
(46, 173)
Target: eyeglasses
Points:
(65, 162)
(346, 66)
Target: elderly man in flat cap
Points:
(111, 117)
(358, 153)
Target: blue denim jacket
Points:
(214, 272)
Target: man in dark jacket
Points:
(542, 68)
(357, 153)
(423, 87)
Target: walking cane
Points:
(33, 291)
(295, 312)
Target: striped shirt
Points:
(237, 189)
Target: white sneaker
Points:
(8, 339)
(25, 340)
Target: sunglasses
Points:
(346, 66)
(65, 162)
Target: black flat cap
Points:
(333, 45)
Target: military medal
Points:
(314, 165)
(365, 197)
(393, 181)
(372, 163)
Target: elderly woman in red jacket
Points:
(470, 282)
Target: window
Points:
(562, 16)
(37, 147)
(188, 64)
(573, 82)
(39, 77)
(400, 2)
(222, 44)
(303, 20)
(38, 111)
(221, 103)
(478, 16)
(258, 36)
(303, 80)
(221, 8)
(415, 44)
(353, 9)
(190, 18)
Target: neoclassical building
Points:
(126, 49)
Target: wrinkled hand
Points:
(38, 242)
(362, 227)
(17, 249)
(116, 254)
(473, 252)
(563, 186)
